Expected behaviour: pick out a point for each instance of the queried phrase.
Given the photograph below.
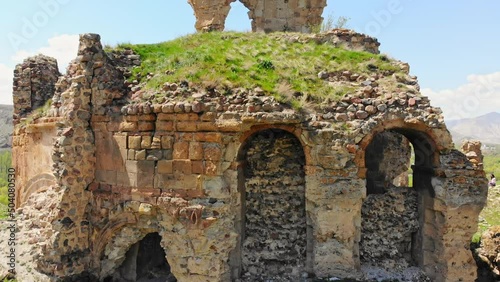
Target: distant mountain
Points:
(484, 128)
(6, 126)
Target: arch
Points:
(423, 138)
(122, 234)
(414, 207)
(237, 14)
(39, 183)
(145, 259)
(210, 15)
(272, 219)
(295, 130)
(387, 161)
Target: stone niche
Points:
(390, 212)
(144, 261)
(274, 234)
(196, 191)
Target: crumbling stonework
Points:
(388, 223)
(274, 239)
(388, 161)
(210, 15)
(123, 168)
(34, 84)
(266, 15)
(472, 149)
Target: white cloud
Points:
(6, 75)
(62, 47)
(480, 95)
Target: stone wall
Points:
(389, 222)
(34, 84)
(266, 15)
(123, 169)
(388, 161)
(34, 140)
(274, 238)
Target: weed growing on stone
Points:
(221, 60)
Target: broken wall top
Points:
(266, 15)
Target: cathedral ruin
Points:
(226, 187)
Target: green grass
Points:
(5, 164)
(491, 164)
(228, 60)
(490, 215)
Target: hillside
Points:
(6, 126)
(485, 128)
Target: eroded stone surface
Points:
(389, 222)
(388, 161)
(34, 84)
(121, 169)
(275, 223)
(266, 15)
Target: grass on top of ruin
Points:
(282, 64)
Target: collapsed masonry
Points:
(236, 186)
(266, 15)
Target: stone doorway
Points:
(273, 231)
(145, 261)
(394, 209)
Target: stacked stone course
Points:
(124, 168)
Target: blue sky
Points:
(452, 46)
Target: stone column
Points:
(460, 192)
(210, 14)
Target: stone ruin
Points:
(266, 15)
(238, 187)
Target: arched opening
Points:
(393, 213)
(144, 261)
(273, 217)
(388, 159)
(238, 19)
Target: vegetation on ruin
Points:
(490, 215)
(37, 113)
(284, 65)
(5, 164)
(331, 22)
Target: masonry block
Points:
(146, 142)
(181, 150)
(212, 152)
(145, 126)
(182, 166)
(165, 166)
(186, 126)
(167, 142)
(195, 151)
(164, 125)
(134, 142)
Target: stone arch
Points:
(413, 209)
(120, 240)
(145, 259)
(39, 183)
(271, 184)
(238, 14)
(388, 158)
(210, 15)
